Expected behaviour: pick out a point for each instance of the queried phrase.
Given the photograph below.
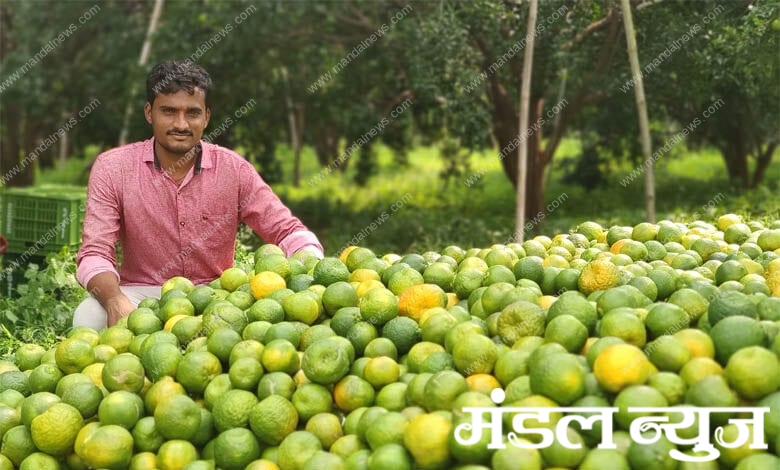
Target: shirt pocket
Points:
(216, 231)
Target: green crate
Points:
(42, 219)
(12, 268)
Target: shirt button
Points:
(181, 223)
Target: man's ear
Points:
(208, 117)
(148, 112)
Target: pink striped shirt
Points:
(170, 230)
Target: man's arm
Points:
(105, 288)
(97, 257)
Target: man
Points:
(174, 203)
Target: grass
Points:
(433, 213)
(690, 185)
(685, 183)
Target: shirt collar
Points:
(200, 162)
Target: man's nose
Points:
(181, 121)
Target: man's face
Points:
(178, 119)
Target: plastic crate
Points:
(12, 272)
(42, 218)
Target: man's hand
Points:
(118, 307)
(313, 250)
(105, 288)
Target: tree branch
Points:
(596, 26)
(581, 98)
(392, 101)
(6, 30)
(762, 163)
(647, 3)
(359, 20)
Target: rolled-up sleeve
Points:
(101, 225)
(263, 211)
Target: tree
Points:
(467, 55)
(59, 61)
(641, 106)
(154, 21)
(696, 56)
(522, 152)
(732, 66)
(458, 62)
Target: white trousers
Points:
(90, 313)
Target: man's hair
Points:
(172, 76)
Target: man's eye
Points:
(194, 113)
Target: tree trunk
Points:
(296, 176)
(326, 145)
(64, 149)
(46, 159)
(505, 125)
(762, 163)
(11, 172)
(505, 119)
(537, 162)
(556, 125)
(295, 125)
(154, 21)
(641, 107)
(525, 98)
(736, 164)
(505, 132)
(296, 133)
(735, 155)
(321, 149)
(29, 133)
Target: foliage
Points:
(695, 55)
(244, 257)
(39, 333)
(44, 307)
(436, 55)
(89, 60)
